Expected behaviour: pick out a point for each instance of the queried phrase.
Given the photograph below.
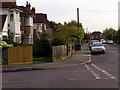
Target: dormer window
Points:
(38, 26)
(27, 21)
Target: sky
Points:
(96, 15)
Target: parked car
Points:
(97, 47)
(91, 42)
(109, 41)
(103, 41)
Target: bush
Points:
(42, 45)
(3, 44)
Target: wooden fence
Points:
(59, 52)
(62, 51)
(70, 50)
(20, 55)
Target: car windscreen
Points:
(93, 41)
(97, 45)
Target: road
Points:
(101, 73)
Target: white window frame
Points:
(27, 40)
(17, 39)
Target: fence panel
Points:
(59, 52)
(20, 55)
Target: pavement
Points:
(79, 58)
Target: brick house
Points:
(40, 23)
(27, 24)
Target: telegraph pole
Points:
(78, 45)
(78, 18)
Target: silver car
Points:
(109, 41)
(91, 42)
(97, 47)
(103, 41)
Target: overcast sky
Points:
(95, 15)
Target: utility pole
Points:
(78, 18)
(78, 45)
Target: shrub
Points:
(3, 44)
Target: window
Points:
(27, 39)
(44, 27)
(17, 17)
(31, 40)
(35, 32)
(27, 21)
(38, 27)
(11, 17)
(41, 28)
(17, 39)
(4, 37)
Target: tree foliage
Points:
(10, 39)
(53, 25)
(42, 41)
(42, 45)
(74, 23)
(87, 37)
(68, 33)
(109, 34)
(112, 34)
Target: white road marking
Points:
(92, 72)
(97, 76)
(104, 72)
(87, 55)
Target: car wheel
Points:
(92, 53)
(103, 52)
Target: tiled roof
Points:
(25, 11)
(10, 5)
(40, 18)
(2, 19)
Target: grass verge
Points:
(43, 59)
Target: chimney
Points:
(33, 10)
(28, 6)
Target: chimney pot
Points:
(33, 10)
(28, 6)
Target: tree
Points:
(87, 37)
(43, 46)
(42, 40)
(53, 25)
(74, 23)
(10, 39)
(68, 34)
(109, 33)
